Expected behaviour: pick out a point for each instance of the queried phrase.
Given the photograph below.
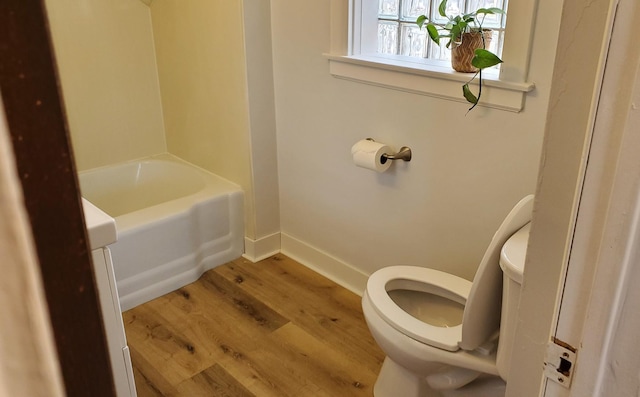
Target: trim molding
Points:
(439, 82)
(325, 264)
(262, 248)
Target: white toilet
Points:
(442, 334)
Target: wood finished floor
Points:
(272, 328)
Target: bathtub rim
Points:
(213, 185)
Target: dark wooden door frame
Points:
(44, 159)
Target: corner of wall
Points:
(262, 248)
(324, 264)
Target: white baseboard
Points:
(323, 263)
(264, 247)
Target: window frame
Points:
(354, 58)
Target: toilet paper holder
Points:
(403, 154)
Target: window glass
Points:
(399, 35)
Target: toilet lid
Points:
(513, 254)
(417, 279)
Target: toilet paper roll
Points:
(368, 154)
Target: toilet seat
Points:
(422, 279)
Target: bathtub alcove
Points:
(174, 221)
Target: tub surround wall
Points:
(214, 62)
(117, 57)
(201, 64)
(106, 59)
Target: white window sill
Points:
(433, 79)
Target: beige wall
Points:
(106, 60)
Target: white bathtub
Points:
(174, 221)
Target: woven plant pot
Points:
(463, 52)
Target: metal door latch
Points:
(559, 362)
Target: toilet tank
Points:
(512, 263)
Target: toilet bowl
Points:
(442, 334)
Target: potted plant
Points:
(468, 41)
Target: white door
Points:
(599, 309)
(581, 281)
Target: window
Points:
(354, 51)
(399, 35)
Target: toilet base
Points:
(484, 386)
(394, 380)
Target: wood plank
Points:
(150, 382)
(324, 309)
(174, 352)
(297, 361)
(247, 305)
(270, 329)
(213, 381)
(332, 369)
(272, 374)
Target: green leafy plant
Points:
(453, 30)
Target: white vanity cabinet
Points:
(102, 232)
